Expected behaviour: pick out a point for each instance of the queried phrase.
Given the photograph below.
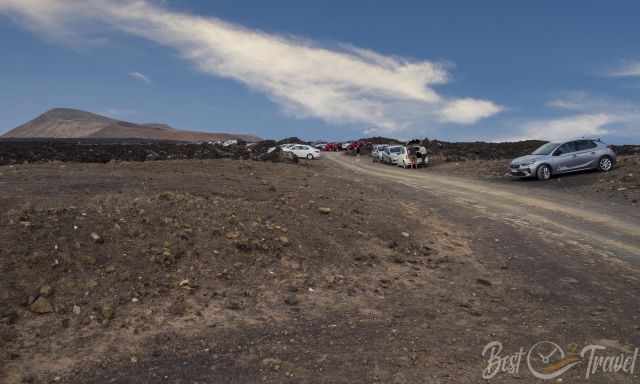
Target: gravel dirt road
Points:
(331, 271)
(605, 226)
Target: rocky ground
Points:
(463, 151)
(237, 271)
(25, 151)
(101, 257)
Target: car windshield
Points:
(395, 149)
(546, 149)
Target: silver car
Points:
(562, 157)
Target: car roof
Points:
(597, 140)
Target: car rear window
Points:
(583, 145)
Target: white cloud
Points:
(140, 77)
(53, 19)
(347, 85)
(468, 111)
(585, 125)
(591, 116)
(579, 101)
(628, 69)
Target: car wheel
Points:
(309, 156)
(543, 172)
(605, 164)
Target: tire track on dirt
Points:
(558, 221)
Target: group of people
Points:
(415, 153)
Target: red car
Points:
(331, 147)
(356, 144)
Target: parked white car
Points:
(303, 151)
(344, 146)
(378, 151)
(413, 156)
(391, 154)
(284, 147)
(229, 143)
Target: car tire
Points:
(543, 172)
(605, 164)
(309, 156)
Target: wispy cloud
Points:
(140, 77)
(341, 85)
(627, 69)
(573, 101)
(568, 127)
(588, 103)
(589, 116)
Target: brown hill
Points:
(70, 123)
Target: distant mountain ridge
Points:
(66, 123)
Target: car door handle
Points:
(593, 153)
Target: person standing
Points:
(423, 154)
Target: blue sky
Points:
(456, 70)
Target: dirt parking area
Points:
(621, 185)
(237, 271)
